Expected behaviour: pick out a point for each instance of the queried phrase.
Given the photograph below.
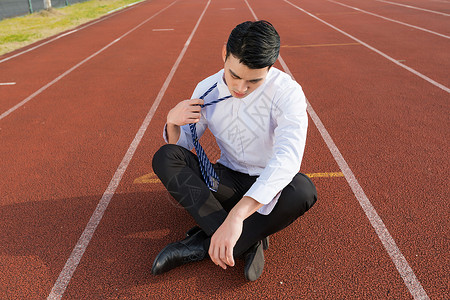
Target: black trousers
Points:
(179, 171)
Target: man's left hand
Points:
(224, 240)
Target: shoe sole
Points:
(255, 268)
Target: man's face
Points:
(240, 79)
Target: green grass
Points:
(18, 32)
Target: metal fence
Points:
(13, 8)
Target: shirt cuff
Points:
(165, 133)
(182, 140)
(267, 209)
(262, 193)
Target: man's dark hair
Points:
(255, 44)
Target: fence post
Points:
(30, 6)
(47, 4)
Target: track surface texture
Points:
(80, 124)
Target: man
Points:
(258, 116)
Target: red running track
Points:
(61, 150)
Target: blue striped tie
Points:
(208, 173)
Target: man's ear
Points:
(224, 52)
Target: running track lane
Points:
(436, 22)
(434, 5)
(79, 249)
(149, 235)
(405, 271)
(288, 286)
(139, 235)
(422, 51)
(397, 136)
(59, 154)
(38, 44)
(40, 67)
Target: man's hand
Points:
(226, 236)
(224, 240)
(185, 112)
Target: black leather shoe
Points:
(254, 262)
(193, 230)
(266, 243)
(179, 253)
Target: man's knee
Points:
(300, 195)
(163, 156)
(307, 190)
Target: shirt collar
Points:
(221, 85)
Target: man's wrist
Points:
(236, 215)
(171, 124)
(245, 207)
(172, 133)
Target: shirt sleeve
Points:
(291, 123)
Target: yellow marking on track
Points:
(152, 178)
(320, 45)
(147, 178)
(328, 174)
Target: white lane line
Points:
(7, 83)
(409, 278)
(79, 249)
(407, 274)
(61, 35)
(413, 7)
(256, 18)
(67, 33)
(437, 84)
(163, 29)
(20, 104)
(391, 20)
(125, 6)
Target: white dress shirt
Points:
(261, 134)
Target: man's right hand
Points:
(185, 112)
